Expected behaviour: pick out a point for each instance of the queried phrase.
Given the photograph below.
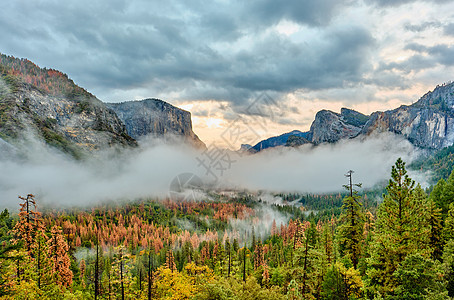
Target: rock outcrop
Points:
(154, 117)
(46, 103)
(75, 124)
(428, 123)
(330, 127)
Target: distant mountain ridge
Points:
(276, 140)
(428, 123)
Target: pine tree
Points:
(170, 261)
(448, 228)
(30, 222)
(121, 275)
(293, 292)
(436, 228)
(228, 247)
(447, 197)
(437, 193)
(82, 268)
(258, 256)
(351, 230)
(401, 229)
(58, 251)
(44, 267)
(8, 255)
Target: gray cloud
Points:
(449, 29)
(394, 3)
(310, 12)
(217, 50)
(423, 26)
(441, 53)
(109, 45)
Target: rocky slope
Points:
(45, 103)
(327, 126)
(154, 117)
(330, 127)
(72, 120)
(428, 123)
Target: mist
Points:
(147, 172)
(321, 169)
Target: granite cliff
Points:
(46, 104)
(154, 117)
(63, 115)
(428, 123)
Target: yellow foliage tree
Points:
(173, 285)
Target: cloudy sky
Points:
(215, 58)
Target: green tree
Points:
(416, 277)
(7, 258)
(447, 197)
(436, 229)
(293, 291)
(448, 266)
(342, 283)
(401, 229)
(437, 193)
(448, 229)
(351, 230)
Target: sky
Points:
(268, 64)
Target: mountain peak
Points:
(442, 98)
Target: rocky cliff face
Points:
(330, 127)
(154, 117)
(76, 124)
(47, 104)
(327, 127)
(428, 123)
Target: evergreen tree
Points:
(416, 277)
(436, 229)
(58, 252)
(401, 229)
(7, 256)
(448, 228)
(293, 292)
(170, 261)
(437, 193)
(447, 197)
(448, 266)
(351, 230)
(30, 222)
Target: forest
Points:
(49, 81)
(352, 245)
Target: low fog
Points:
(148, 171)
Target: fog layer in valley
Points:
(148, 171)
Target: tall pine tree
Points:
(401, 229)
(352, 218)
